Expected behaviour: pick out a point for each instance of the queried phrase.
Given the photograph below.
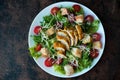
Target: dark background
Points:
(16, 17)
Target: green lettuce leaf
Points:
(59, 68)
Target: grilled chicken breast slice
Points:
(76, 37)
(79, 31)
(71, 34)
(61, 54)
(59, 46)
(64, 41)
(64, 34)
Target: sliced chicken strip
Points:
(61, 54)
(64, 34)
(64, 41)
(71, 34)
(76, 37)
(79, 31)
(59, 46)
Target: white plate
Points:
(39, 18)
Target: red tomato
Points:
(59, 61)
(37, 29)
(49, 62)
(94, 53)
(76, 7)
(54, 10)
(38, 47)
(96, 37)
(89, 18)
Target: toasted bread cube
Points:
(77, 52)
(64, 11)
(44, 52)
(79, 18)
(68, 70)
(71, 35)
(87, 39)
(50, 31)
(97, 45)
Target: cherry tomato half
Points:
(89, 18)
(49, 62)
(76, 8)
(54, 10)
(94, 53)
(96, 37)
(37, 29)
(38, 47)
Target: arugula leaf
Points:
(37, 39)
(47, 18)
(95, 23)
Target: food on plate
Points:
(44, 52)
(86, 39)
(50, 31)
(68, 39)
(79, 18)
(77, 52)
(68, 69)
(97, 45)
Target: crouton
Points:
(79, 18)
(87, 39)
(50, 31)
(64, 11)
(77, 52)
(97, 45)
(68, 70)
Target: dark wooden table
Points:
(15, 20)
